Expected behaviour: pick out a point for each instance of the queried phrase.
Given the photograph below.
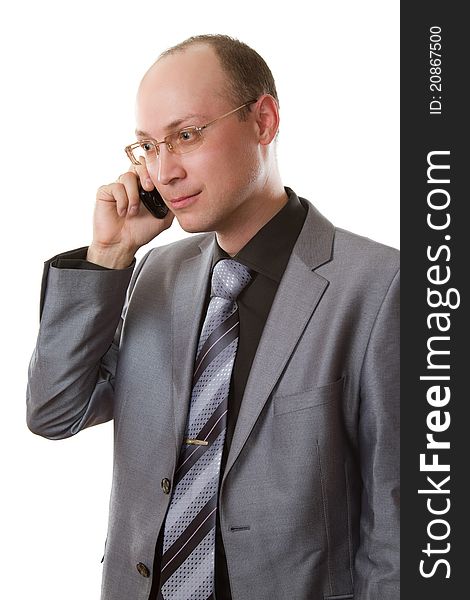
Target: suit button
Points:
(166, 485)
(143, 570)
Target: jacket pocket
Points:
(308, 399)
(342, 597)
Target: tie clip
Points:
(196, 442)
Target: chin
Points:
(193, 225)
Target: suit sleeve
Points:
(72, 369)
(377, 560)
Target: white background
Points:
(70, 73)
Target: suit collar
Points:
(313, 245)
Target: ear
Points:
(267, 118)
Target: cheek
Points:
(232, 166)
(246, 166)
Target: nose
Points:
(169, 166)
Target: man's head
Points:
(246, 73)
(235, 166)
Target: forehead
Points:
(190, 82)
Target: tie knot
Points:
(229, 277)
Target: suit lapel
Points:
(298, 295)
(188, 304)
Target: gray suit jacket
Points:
(309, 496)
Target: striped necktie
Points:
(187, 568)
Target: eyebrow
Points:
(173, 125)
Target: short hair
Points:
(248, 75)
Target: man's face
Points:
(225, 173)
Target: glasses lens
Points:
(145, 150)
(185, 140)
(179, 142)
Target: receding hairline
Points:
(243, 73)
(181, 49)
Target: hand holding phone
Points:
(121, 225)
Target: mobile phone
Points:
(153, 202)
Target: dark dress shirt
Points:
(267, 255)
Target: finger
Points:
(130, 182)
(113, 194)
(144, 176)
(120, 195)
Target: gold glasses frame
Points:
(167, 140)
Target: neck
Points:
(249, 222)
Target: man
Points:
(253, 376)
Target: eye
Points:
(186, 136)
(147, 147)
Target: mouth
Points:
(183, 201)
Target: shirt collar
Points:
(269, 250)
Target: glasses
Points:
(179, 142)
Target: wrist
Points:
(112, 257)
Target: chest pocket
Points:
(318, 396)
